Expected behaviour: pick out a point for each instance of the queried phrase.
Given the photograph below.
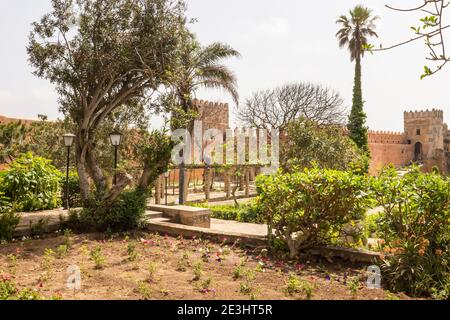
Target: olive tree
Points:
(308, 144)
(116, 56)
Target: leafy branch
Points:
(431, 30)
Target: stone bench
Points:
(189, 216)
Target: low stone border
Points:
(32, 223)
(353, 255)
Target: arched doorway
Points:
(418, 152)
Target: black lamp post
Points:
(116, 138)
(68, 141)
(166, 175)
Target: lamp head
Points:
(68, 139)
(116, 138)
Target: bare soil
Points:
(162, 267)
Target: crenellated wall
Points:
(388, 148)
(387, 137)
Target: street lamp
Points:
(166, 175)
(68, 141)
(115, 137)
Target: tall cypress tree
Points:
(357, 119)
(354, 33)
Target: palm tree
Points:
(354, 33)
(200, 67)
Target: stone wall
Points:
(6, 120)
(388, 148)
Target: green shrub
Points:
(5, 202)
(325, 146)
(125, 214)
(244, 213)
(8, 219)
(415, 227)
(371, 225)
(74, 190)
(31, 183)
(308, 208)
(9, 291)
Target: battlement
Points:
(387, 137)
(434, 114)
(214, 115)
(208, 104)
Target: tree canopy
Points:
(276, 108)
(117, 56)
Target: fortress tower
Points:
(213, 114)
(426, 132)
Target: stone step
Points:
(186, 215)
(153, 215)
(160, 220)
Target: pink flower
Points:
(279, 264)
(300, 267)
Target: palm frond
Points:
(356, 29)
(222, 85)
(215, 52)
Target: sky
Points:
(281, 42)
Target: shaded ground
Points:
(164, 268)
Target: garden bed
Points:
(150, 266)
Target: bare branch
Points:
(276, 108)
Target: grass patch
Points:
(244, 213)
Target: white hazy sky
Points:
(280, 42)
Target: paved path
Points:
(216, 198)
(239, 227)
